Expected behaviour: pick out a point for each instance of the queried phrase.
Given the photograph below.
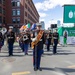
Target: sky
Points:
(51, 11)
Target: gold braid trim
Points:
(39, 36)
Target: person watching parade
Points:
(65, 38)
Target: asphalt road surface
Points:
(63, 63)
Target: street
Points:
(62, 63)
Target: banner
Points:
(69, 14)
(70, 31)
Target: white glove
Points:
(34, 39)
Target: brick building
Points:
(2, 12)
(18, 12)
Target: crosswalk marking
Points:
(21, 73)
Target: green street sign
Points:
(69, 14)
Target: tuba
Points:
(3, 30)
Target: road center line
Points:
(21, 73)
(72, 66)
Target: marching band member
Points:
(49, 38)
(21, 42)
(26, 40)
(55, 41)
(10, 41)
(37, 45)
(1, 39)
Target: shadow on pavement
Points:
(67, 70)
(4, 56)
(13, 52)
(45, 68)
(17, 49)
(65, 53)
(60, 70)
(12, 56)
(50, 54)
(18, 55)
(51, 49)
(64, 50)
(18, 52)
(59, 52)
(47, 54)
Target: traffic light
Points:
(53, 25)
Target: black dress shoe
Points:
(40, 69)
(26, 53)
(35, 69)
(10, 55)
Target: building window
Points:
(18, 20)
(29, 2)
(4, 11)
(3, 2)
(0, 19)
(18, 4)
(13, 12)
(18, 12)
(28, 9)
(25, 21)
(4, 20)
(0, 9)
(14, 20)
(26, 14)
(25, 5)
(0, 1)
(13, 4)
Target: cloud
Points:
(48, 24)
(42, 19)
(53, 21)
(42, 14)
(44, 5)
(50, 4)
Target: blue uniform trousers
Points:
(26, 48)
(37, 58)
(22, 46)
(55, 46)
(48, 47)
(10, 47)
(2, 42)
